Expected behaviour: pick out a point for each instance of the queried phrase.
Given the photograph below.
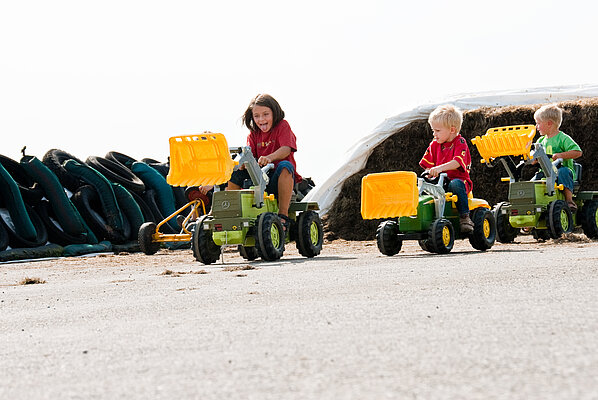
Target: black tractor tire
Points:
(248, 253)
(53, 159)
(387, 239)
(441, 236)
(310, 234)
(146, 243)
(484, 229)
(202, 244)
(269, 236)
(589, 218)
(540, 234)
(559, 219)
(425, 245)
(117, 173)
(505, 233)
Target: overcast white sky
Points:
(89, 77)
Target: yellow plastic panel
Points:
(197, 160)
(513, 140)
(389, 194)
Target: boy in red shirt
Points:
(449, 153)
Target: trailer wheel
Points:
(270, 236)
(505, 233)
(441, 236)
(202, 244)
(560, 219)
(484, 229)
(387, 239)
(145, 238)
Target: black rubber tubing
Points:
(150, 199)
(56, 233)
(16, 207)
(129, 208)
(89, 205)
(30, 190)
(148, 215)
(17, 241)
(116, 172)
(124, 159)
(163, 191)
(3, 238)
(63, 209)
(54, 159)
(104, 190)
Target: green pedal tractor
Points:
(536, 206)
(420, 209)
(246, 218)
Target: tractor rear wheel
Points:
(589, 218)
(505, 233)
(560, 219)
(269, 237)
(248, 253)
(387, 239)
(202, 244)
(484, 229)
(310, 234)
(441, 236)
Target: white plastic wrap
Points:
(358, 154)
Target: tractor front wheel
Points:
(387, 239)
(484, 229)
(441, 236)
(202, 244)
(269, 239)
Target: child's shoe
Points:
(466, 224)
(572, 206)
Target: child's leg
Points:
(281, 184)
(565, 177)
(236, 180)
(457, 187)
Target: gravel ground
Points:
(519, 321)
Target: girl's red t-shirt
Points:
(266, 143)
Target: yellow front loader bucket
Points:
(199, 160)
(389, 194)
(513, 140)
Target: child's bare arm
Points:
(571, 154)
(279, 154)
(437, 170)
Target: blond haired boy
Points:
(560, 145)
(449, 153)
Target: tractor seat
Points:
(578, 170)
